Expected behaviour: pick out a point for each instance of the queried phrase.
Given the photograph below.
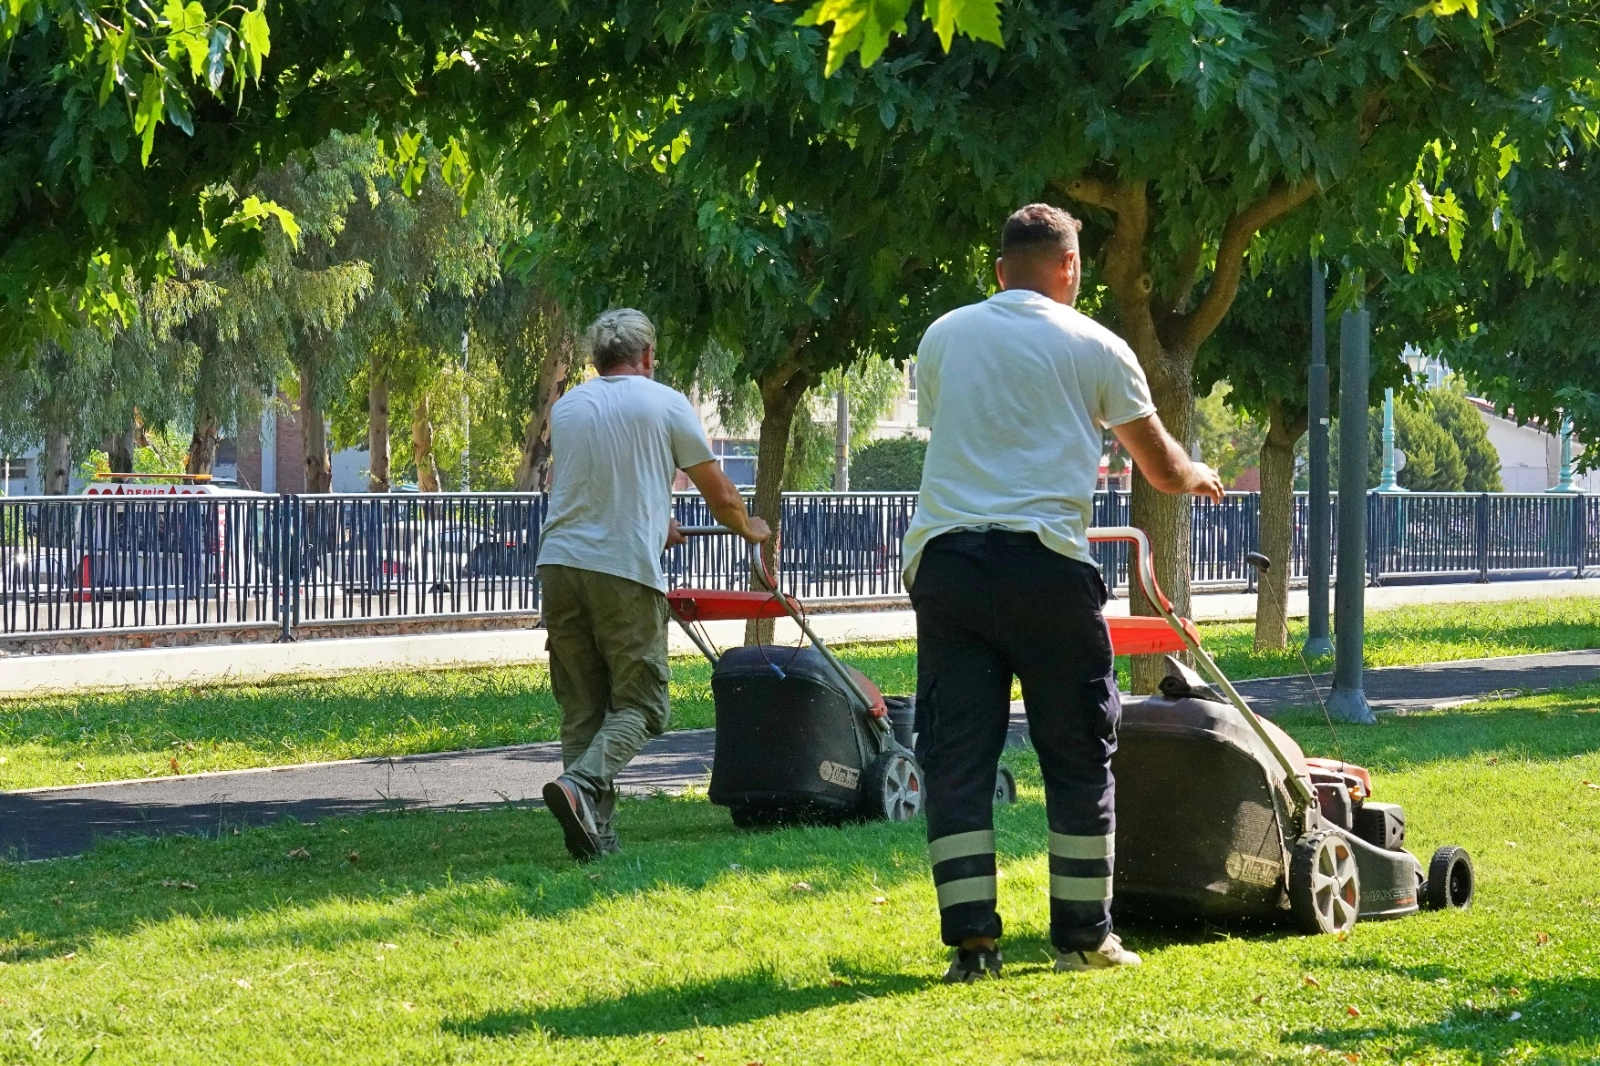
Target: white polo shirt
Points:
(615, 444)
(1017, 391)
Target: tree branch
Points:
(1188, 273)
(1194, 327)
(1091, 191)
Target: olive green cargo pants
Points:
(607, 638)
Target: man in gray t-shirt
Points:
(615, 444)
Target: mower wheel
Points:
(1450, 882)
(1324, 884)
(892, 787)
(1005, 786)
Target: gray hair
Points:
(619, 338)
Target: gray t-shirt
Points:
(615, 444)
(1016, 391)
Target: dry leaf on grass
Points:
(174, 764)
(1352, 1010)
(878, 901)
(1262, 998)
(241, 982)
(1516, 1016)
(1352, 1057)
(801, 886)
(1311, 982)
(1541, 937)
(300, 853)
(1586, 784)
(353, 858)
(408, 1005)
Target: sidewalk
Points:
(48, 823)
(34, 675)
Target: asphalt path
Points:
(50, 823)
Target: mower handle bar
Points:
(763, 576)
(1144, 571)
(758, 565)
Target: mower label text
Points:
(835, 774)
(1253, 869)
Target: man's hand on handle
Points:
(1206, 483)
(674, 538)
(725, 502)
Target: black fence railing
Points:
(139, 563)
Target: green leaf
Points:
(148, 114)
(217, 57)
(178, 111)
(978, 19)
(257, 41)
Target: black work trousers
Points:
(991, 606)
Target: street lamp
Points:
(1564, 477)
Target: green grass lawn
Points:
(442, 938)
(70, 740)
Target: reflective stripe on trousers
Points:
(963, 868)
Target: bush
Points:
(888, 466)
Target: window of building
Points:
(911, 381)
(738, 460)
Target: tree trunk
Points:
(422, 446)
(55, 474)
(1276, 522)
(1165, 330)
(377, 424)
(781, 392)
(841, 440)
(202, 446)
(119, 452)
(314, 430)
(1166, 518)
(533, 469)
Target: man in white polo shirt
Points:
(615, 442)
(1017, 391)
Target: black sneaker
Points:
(572, 807)
(973, 964)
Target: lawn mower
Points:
(800, 736)
(1221, 817)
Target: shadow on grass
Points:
(1545, 727)
(1556, 1016)
(732, 1000)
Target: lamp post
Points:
(1318, 551)
(1386, 481)
(1564, 476)
(1348, 702)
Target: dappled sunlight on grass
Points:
(422, 938)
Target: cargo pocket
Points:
(1106, 704)
(658, 708)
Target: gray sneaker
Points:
(574, 810)
(1108, 956)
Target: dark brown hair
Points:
(1039, 228)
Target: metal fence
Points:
(139, 563)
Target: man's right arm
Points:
(1163, 462)
(725, 501)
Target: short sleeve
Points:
(689, 444)
(1123, 394)
(927, 372)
